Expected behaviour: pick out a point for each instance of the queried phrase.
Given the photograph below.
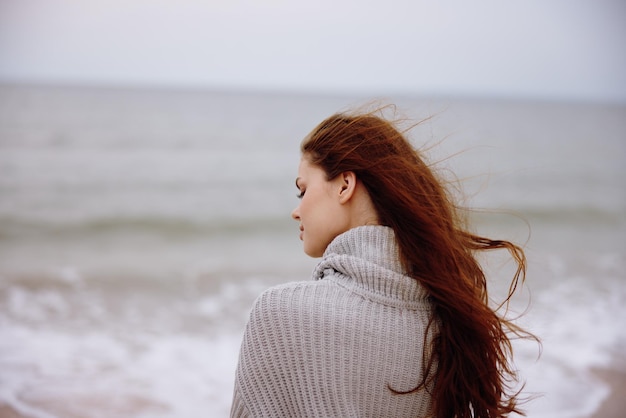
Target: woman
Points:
(395, 322)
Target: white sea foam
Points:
(578, 317)
(51, 371)
(182, 373)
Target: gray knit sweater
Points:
(331, 346)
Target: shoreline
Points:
(615, 404)
(8, 412)
(612, 407)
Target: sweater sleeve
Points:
(238, 408)
(264, 359)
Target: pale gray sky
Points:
(563, 49)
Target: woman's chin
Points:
(312, 252)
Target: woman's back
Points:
(334, 346)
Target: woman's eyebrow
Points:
(297, 180)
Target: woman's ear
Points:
(347, 183)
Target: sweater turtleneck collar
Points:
(366, 260)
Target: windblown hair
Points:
(468, 373)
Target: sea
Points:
(138, 225)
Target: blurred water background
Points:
(138, 226)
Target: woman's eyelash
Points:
(301, 194)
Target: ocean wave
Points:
(15, 226)
(559, 215)
(171, 225)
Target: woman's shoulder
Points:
(293, 295)
(284, 312)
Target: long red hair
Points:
(469, 373)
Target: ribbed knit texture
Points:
(331, 346)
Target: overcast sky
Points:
(557, 49)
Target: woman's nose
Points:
(295, 214)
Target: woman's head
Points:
(329, 206)
(373, 152)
